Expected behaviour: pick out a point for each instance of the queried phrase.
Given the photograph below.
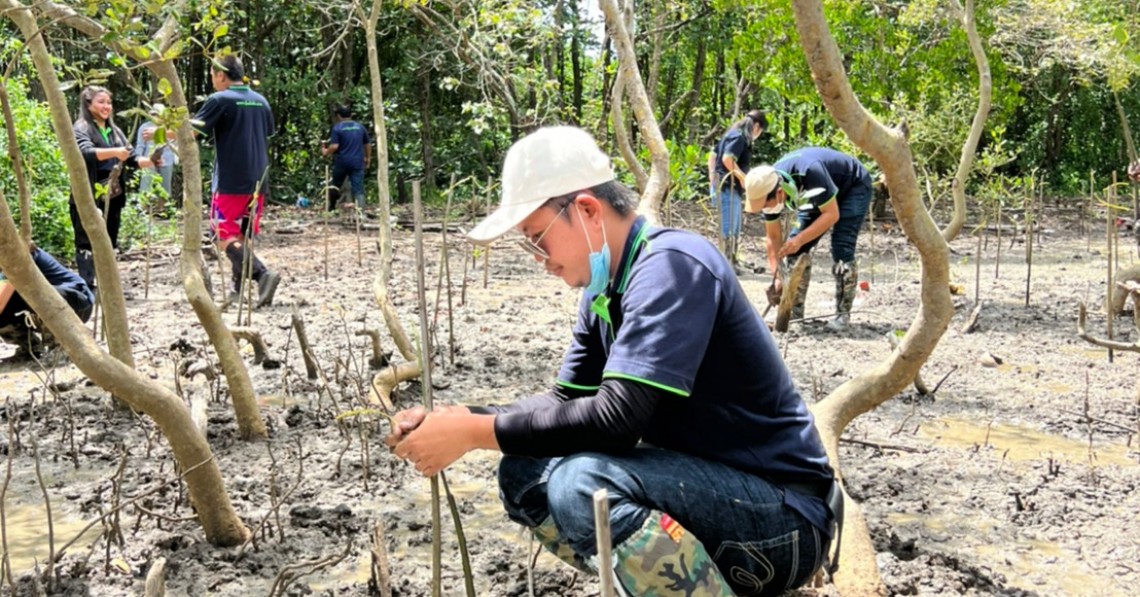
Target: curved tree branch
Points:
(859, 575)
(985, 96)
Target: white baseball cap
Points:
(550, 162)
(757, 185)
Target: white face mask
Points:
(775, 210)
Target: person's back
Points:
(351, 137)
(240, 121)
(845, 171)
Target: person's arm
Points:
(828, 216)
(611, 421)
(773, 242)
(6, 292)
(729, 162)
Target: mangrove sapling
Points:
(276, 498)
(425, 370)
(605, 546)
(1110, 234)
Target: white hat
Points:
(757, 185)
(550, 162)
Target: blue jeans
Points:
(760, 545)
(730, 206)
(853, 207)
(355, 176)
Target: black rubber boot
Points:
(236, 252)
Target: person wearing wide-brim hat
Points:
(672, 397)
(829, 190)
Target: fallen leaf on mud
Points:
(988, 359)
(122, 565)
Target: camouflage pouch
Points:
(662, 559)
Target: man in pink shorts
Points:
(240, 121)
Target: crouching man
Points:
(20, 326)
(672, 397)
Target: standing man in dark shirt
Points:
(353, 148)
(672, 397)
(829, 190)
(240, 121)
(19, 325)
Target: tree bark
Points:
(203, 478)
(1124, 126)
(661, 13)
(17, 163)
(388, 379)
(985, 94)
(110, 285)
(576, 63)
(679, 111)
(658, 183)
(251, 427)
(859, 574)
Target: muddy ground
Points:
(998, 484)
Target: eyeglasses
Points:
(531, 246)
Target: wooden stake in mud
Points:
(997, 259)
(146, 252)
(303, 344)
(602, 527)
(425, 365)
(1028, 239)
(487, 249)
(1109, 231)
(1092, 200)
(978, 263)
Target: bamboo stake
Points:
(1092, 198)
(978, 264)
(1028, 240)
(461, 538)
(602, 526)
(425, 365)
(146, 249)
(871, 215)
(997, 259)
(487, 249)
(1108, 233)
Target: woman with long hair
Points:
(107, 153)
(728, 163)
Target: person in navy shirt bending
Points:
(828, 190)
(353, 148)
(672, 397)
(240, 121)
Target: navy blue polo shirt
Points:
(737, 144)
(68, 283)
(676, 318)
(350, 138)
(240, 122)
(819, 167)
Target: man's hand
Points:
(403, 423)
(438, 439)
(791, 247)
(775, 291)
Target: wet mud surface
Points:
(1014, 478)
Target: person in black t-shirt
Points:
(672, 397)
(240, 121)
(353, 148)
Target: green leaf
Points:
(221, 30)
(164, 87)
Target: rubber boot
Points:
(236, 253)
(547, 535)
(801, 290)
(846, 275)
(662, 559)
(85, 262)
